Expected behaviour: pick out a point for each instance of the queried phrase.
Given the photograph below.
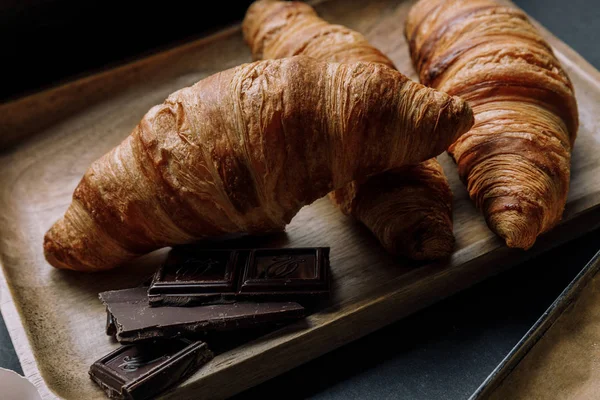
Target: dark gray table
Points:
(446, 351)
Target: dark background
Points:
(46, 42)
(50, 41)
(444, 352)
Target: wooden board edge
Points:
(368, 316)
(20, 340)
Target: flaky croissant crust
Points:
(408, 209)
(243, 151)
(516, 159)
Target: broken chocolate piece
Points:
(141, 371)
(219, 276)
(111, 328)
(134, 320)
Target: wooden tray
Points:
(49, 139)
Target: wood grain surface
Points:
(55, 318)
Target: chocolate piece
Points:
(111, 328)
(219, 276)
(141, 371)
(134, 320)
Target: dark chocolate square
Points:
(141, 371)
(211, 267)
(214, 271)
(133, 361)
(304, 271)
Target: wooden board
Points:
(49, 139)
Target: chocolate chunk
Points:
(111, 328)
(134, 320)
(219, 276)
(215, 271)
(141, 371)
(297, 271)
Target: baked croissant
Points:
(243, 150)
(408, 209)
(516, 159)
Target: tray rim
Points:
(538, 330)
(18, 335)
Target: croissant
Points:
(243, 150)
(516, 159)
(408, 209)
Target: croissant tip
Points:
(513, 240)
(517, 231)
(467, 118)
(52, 249)
(60, 256)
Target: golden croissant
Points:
(243, 150)
(516, 159)
(408, 209)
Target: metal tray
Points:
(537, 331)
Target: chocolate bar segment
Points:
(214, 270)
(298, 272)
(142, 371)
(221, 276)
(133, 320)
